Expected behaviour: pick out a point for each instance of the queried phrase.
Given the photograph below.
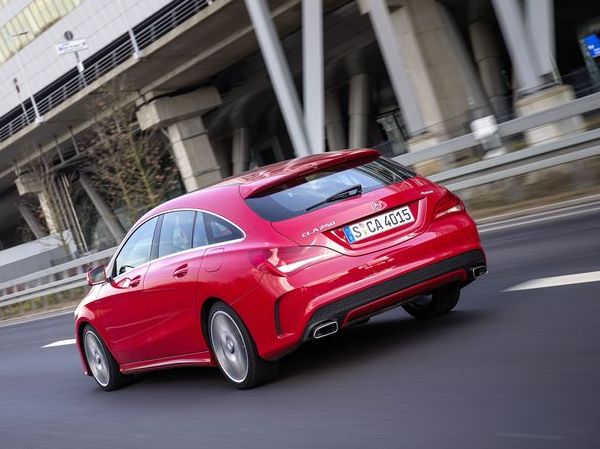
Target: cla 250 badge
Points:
(321, 228)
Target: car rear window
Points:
(298, 197)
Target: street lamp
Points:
(38, 118)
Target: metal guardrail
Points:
(148, 32)
(506, 129)
(517, 156)
(532, 158)
(56, 279)
(525, 168)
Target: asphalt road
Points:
(506, 369)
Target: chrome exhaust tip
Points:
(478, 271)
(324, 329)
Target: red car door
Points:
(170, 289)
(170, 292)
(128, 325)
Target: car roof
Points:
(218, 197)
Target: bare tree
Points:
(130, 167)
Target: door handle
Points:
(181, 271)
(135, 282)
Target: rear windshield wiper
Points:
(346, 193)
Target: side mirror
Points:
(96, 275)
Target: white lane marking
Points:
(70, 341)
(497, 227)
(556, 281)
(529, 436)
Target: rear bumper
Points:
(393, 291)
(274, 339)
(281, 313)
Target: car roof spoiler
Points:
(260, 180)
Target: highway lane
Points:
(516, 369)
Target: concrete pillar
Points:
(194, 154)
(487, 53)
(547, 99)
(30, 219)
(420, 78)
(540, 25)
(280, 74)
(240, 153)
(107, 215)
(48, 211)
(192, 149)
(313, 79)
(518, 42)
(433, 58)
(358, 110)
(396, 64)
(334, 122)
(529, 36)
(31, 183)
(476, 98)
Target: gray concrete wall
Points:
(30, 257)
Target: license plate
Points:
(378, 224)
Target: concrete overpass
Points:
(207, 82)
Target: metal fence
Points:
(52, 280)
(520, 160)
(146, 33)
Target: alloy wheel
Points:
(229, 346)
(96, 358)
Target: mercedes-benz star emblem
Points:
(378, 205)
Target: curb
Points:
(36, 316)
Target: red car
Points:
(241, 273)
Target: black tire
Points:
(439, 302)
(101, 364)
(230, 340)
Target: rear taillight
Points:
(288, 260)
(449, 204)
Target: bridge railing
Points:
(146, 33)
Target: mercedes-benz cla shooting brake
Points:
(241, 273)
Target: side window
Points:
(176, 232)
(219, 230)
(137, 249)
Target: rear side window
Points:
(176, 232)
(219, 230)
(298, 197)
